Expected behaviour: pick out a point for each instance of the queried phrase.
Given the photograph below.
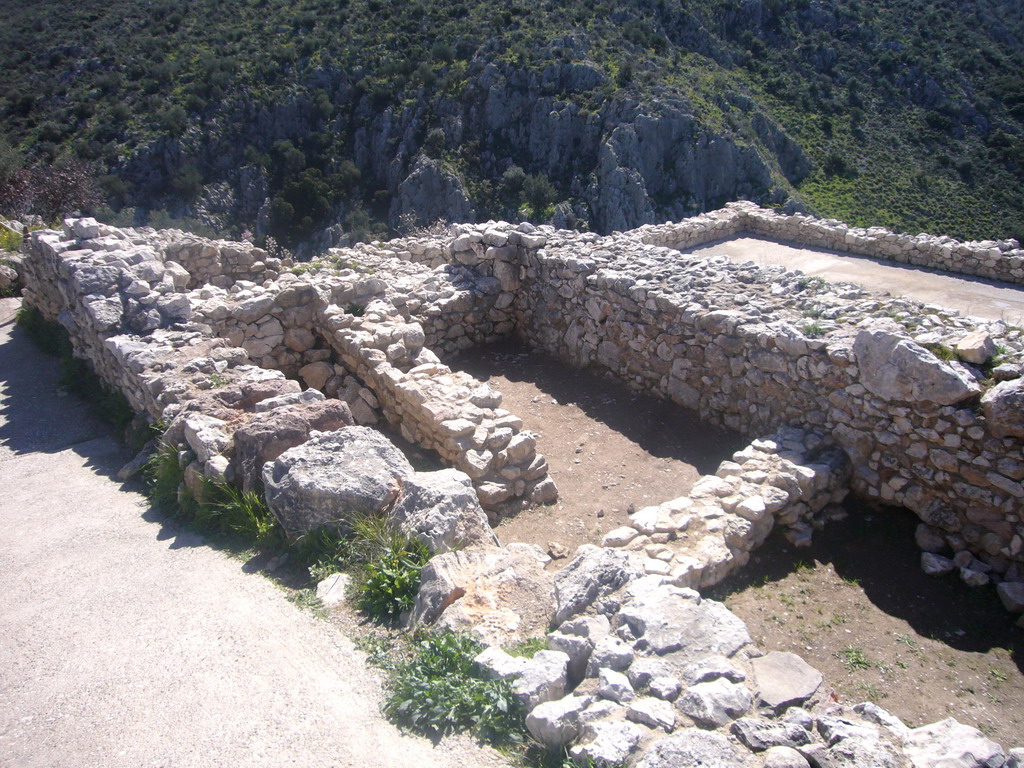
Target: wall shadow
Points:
(35, 416)
(874, 547)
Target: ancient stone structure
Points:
(843, 389)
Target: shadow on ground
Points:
(874, 548)
(32, 420)
(660, 427)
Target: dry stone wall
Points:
(755, 348)
(342, 333)
(640, 669)
(994, 259)
(752, 348)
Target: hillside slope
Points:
(289, 118)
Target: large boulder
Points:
(950, 744)
(442, 510)
(1003, 406)
(691, 747)
(895, 368)
(593, 573)
(679, 626)
(334, 475)
(267, 435)
(501, 595)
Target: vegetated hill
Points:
(289, 116)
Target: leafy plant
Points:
(438, 692)
(854, 658)
(391, 577)
(813, 330)
(942, 351)
(9, 239)
(528, 648)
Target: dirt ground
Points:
(855, 604)
(608, 448)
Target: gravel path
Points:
(127, 642)
(975, 296)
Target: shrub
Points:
(438, 692)
(9, 239)
(539, 194)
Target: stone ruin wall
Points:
(726, 341)
(640, 667)
(342, 334)
(722, 339)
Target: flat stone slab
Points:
(785, 679)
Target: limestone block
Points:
(354, 470)
(785, 679)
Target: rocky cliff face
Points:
(616, 161)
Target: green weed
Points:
(164, 475)
(9, 239)
(528, 648)
(391, 579)
(438, 692)
(854, 658)
(226, 509)
(873, 692)
(942, 351)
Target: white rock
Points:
(936, 565)
(609, 744)
(949, 744)
(653, 712)
(496, 664)
(714, 704)
(556, 723)
(619, 537)
(1012, 595)
(331, 591)
(615, 686)
(543, 679)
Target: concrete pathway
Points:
(125, 641)
(975, 296)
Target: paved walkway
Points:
(125, 641)
(970, 295)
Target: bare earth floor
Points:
(609, 448)
(855, 605)
(987, 299)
